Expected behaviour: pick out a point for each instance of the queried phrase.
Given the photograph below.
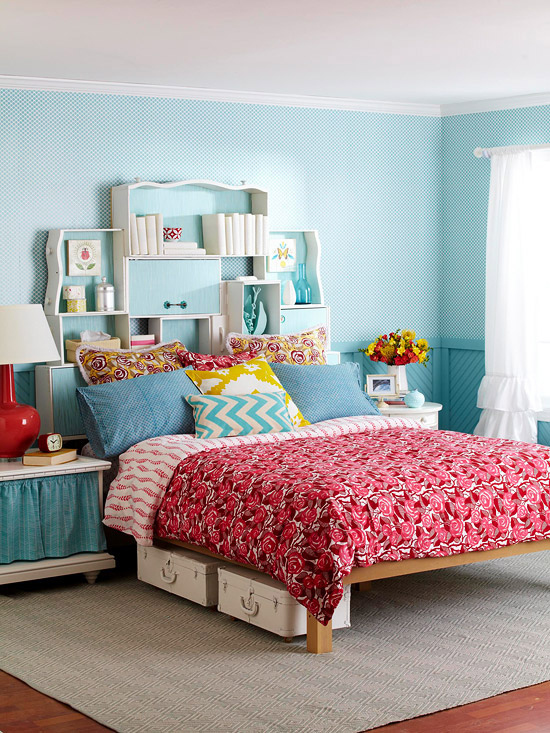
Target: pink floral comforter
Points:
(307, 511)
(146, 469)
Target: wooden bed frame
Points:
(319, 637)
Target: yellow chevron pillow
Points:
(253, 376)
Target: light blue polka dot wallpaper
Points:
(370, 183)
(466, 195)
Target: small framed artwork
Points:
(381, 386)
(281, 255)
(83, 257)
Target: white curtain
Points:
(508, 393)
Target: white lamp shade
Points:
(25, 336)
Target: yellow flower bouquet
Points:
(398, 349)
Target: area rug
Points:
(138, 659)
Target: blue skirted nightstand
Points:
(50, 520)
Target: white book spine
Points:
(142, 235)
(159, 222)
(213, 233)
(266, 236)
(249, 234)
(151, 233)
(259, 242)
(237, 242)
(241, 235)
(134, 241)
(229, 235)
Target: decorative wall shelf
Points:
(269, 299)
(183, 203)
(308, 252)
(144, 283)
(56, 258)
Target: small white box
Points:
(262, 601)
(185, 573)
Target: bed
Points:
(348, 500)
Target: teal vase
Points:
(414, 399)
(303, 289)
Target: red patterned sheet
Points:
(308, 511)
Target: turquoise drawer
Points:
(152, 283)
(66, 415)
(298, 319)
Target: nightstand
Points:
(50, 520)
(427, 415)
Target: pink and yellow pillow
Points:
(210, 362)
(306, 347)
(101, 366)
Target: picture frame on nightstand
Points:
(380, 386)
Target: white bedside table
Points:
(30, 523)
(427, 415)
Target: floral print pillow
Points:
(100, 366)
(211, 362)
(306, 347)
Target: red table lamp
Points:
(25, 338)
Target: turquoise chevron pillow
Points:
(221, 416)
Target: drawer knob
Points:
(423, 419)
(168, 305)
(283, 319)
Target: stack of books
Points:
(173, 248)
(140, 342)
(146, 234)
(243, 235)
(37, 458)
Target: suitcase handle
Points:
(167, 578)
(251, 610)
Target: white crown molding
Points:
(494, 105)
(217, 95)
(269, 99)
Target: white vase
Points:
(289, 293)
(400, 373)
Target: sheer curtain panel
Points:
(508, 393)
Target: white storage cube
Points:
(182, 572)
(262, 601)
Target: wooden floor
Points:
(24, 710)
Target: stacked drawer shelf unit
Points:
(173, 297)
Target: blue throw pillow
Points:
(219, 416)
(323, 392)
(118, 415)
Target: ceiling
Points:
(415, 51)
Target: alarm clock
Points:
(50, 442)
